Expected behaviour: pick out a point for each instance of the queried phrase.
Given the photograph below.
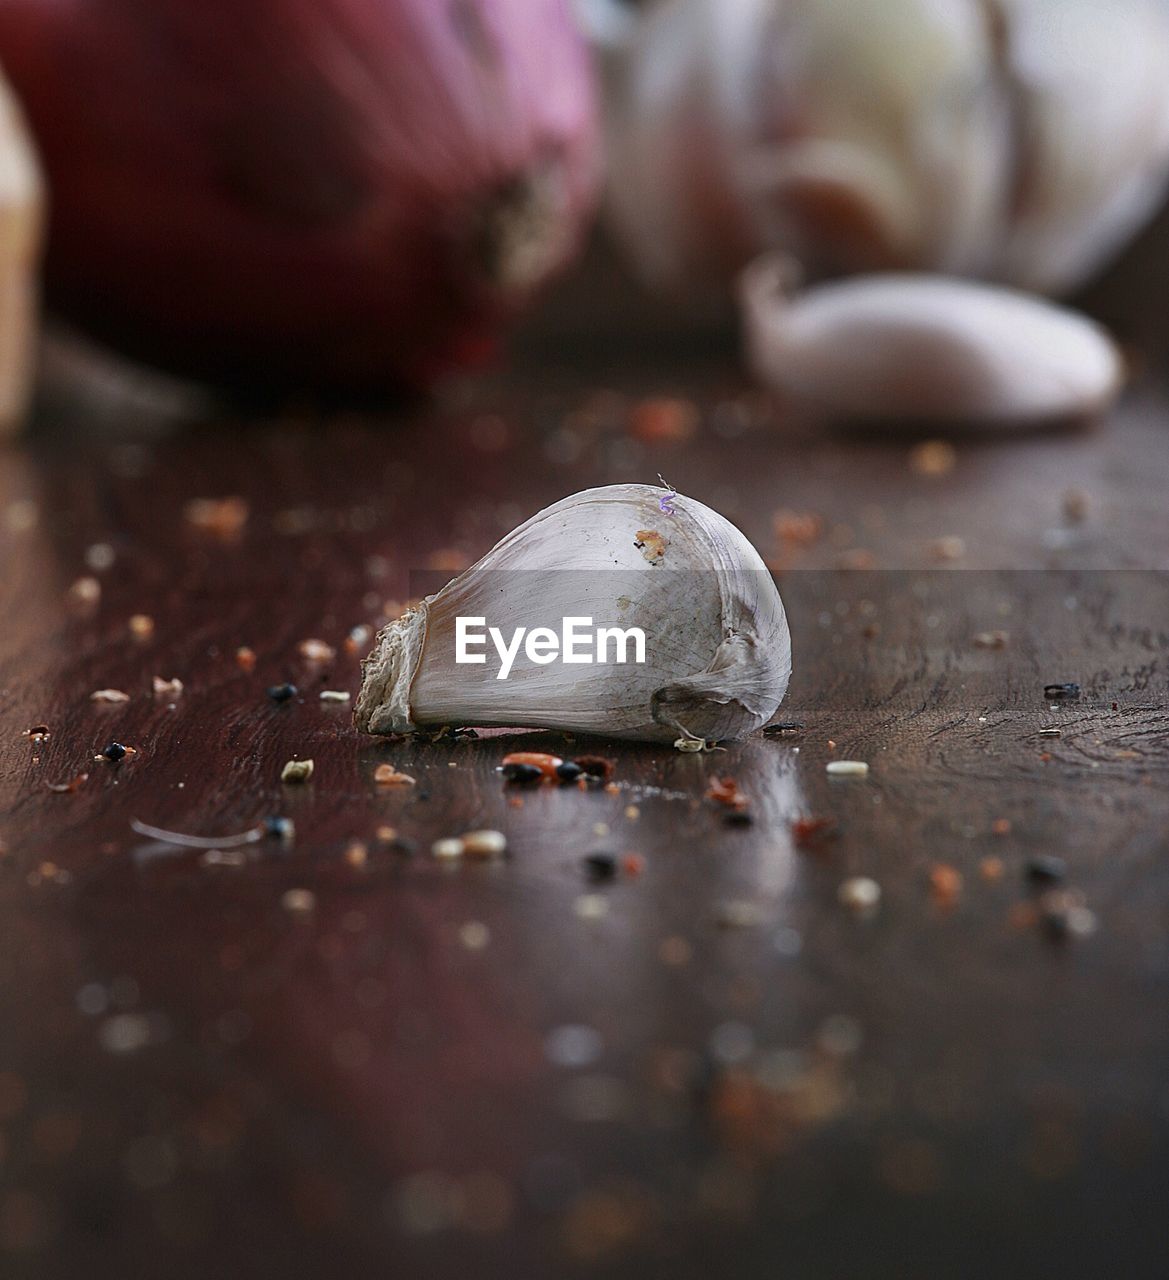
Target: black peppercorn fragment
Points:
(1046, 869)
(522, 774)
(114, 752)
(282, 692)
(1067, 692)
(279, 828)
(568, 771)
(738, 818)
(600, 866)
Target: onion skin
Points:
(339, 194)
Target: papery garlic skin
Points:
(717, 640)
(923, 350)
(1019, 140)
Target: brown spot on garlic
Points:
(916, 350)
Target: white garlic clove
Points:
(717, 648)
(919, 349)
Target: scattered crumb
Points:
(591, 906)
(141, 626)
(99, 556)
(945, 884)
(316, 651)
(725, 791)
(245, 658)
(690, 744)
(484, 844)
(385, 775)
(1075, 504)
(991, 639)
(633, 864)
(386, 834)
(663, 420)
(67, 788)
(358, 638)
(1050, 733)
(37, 734)
(991, 869)
(847, 769)
(335, 695)
(949, 547)
(474, 935)
(356, 853)
(810, 833)
(517, 765)
(109, 695)
(933, 458)
(223, 517)
(86, 590)
(1001, 827)
(632, 812)
(297, 771)
(797, 528)
(298, 901)
(860, 894)
(172, 688)
(739, 913)
(675, 951)
(449, 847)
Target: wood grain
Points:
(195, 1079)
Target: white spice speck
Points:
(99, 556)
(484, 844)
(297, 771)
(450, 847)
(848, 769)
(739, 913)
(573, 1045)
(125, 1033)
(591, 906)
(298, 901)
(335, 695)
(474, 935)
(860, 894)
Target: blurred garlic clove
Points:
(1022, 140)
(21, 226)
(717, 647)
(1090, 86)
(919, 349)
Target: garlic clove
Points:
(717, 648)
(920, 349)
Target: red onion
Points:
(308, 192)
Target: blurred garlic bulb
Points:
(921, 349)
(1019, 140)
(717, 648)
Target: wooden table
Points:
(302, 1059)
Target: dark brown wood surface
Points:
(196, 1079)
